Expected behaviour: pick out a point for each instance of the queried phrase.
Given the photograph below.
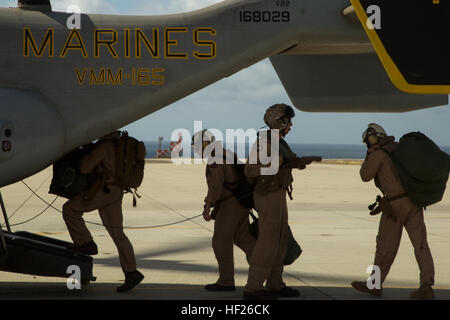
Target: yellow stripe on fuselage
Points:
(389, 65)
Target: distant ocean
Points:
(326, 151)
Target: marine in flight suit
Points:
(266, 262)
(379, 166)
(231, 219)
(106, 197)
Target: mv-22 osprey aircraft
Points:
(62, 87)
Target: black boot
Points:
(89, 248)
(423, 293)
(132, 279)
(362, 287)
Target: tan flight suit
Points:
(266, 262)
(380, 167)
(231, 223)
(109, 206)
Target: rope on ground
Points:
(173, 210)
(26, 200)
(50, 205)
(36, 216)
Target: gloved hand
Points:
(89, 147)
(206, 211)
(373, 148)
(301, 163)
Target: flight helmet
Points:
(372, 135)
(278, 116)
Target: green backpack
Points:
(67, 181)
(423, 168)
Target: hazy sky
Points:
(239, 101)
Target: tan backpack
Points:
(130, 160)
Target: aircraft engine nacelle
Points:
(31, 134)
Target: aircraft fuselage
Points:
(61, 88)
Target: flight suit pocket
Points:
(387, 209)
(266, 184)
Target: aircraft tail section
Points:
(345, 83)
(411, 40)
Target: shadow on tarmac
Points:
(107, 291)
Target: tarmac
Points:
(328, 217)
